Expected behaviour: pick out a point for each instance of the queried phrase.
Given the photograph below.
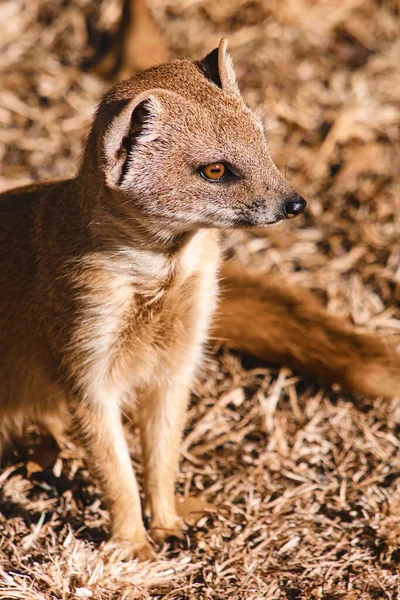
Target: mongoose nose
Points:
(295, 207)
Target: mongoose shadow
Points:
(110, 284)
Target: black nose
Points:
(295, 206)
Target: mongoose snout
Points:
(295, 206)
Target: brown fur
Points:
(136, 45)
(109, 280)
(287, 326)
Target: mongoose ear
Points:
(218, 68)
(138, 122)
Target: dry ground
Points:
(306, 479)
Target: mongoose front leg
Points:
(162, 420)
(99, 429)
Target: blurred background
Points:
(307, 484)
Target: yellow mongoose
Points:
(109, 281)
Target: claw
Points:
(130, 550)
(162, 534)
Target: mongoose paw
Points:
(161, 533)
(143, 552)
(128, 550)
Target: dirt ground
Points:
(304, 478)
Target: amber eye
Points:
(214, 171)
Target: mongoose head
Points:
(178, 146)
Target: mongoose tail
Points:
(287, 326)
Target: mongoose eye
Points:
(214, 171)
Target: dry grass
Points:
(305, 478)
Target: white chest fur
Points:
(148, 315)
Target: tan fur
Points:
(287, 326)
(109, 280)
(136, 45)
